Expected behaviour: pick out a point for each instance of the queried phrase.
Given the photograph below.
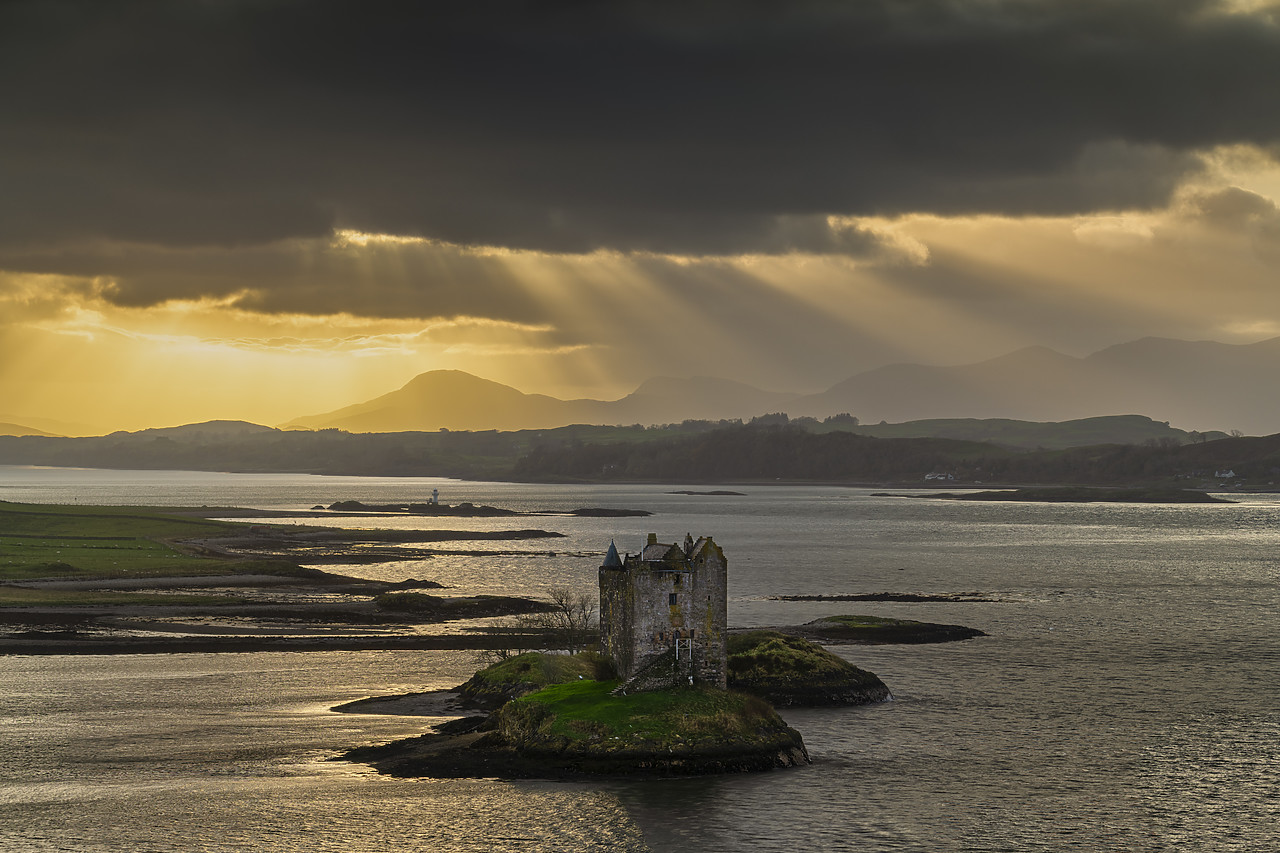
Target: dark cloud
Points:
(316, 277)
(701, 128)
(1232, 207)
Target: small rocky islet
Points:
(672, 691)
(567, 716)
(466, 509)
(563, 716)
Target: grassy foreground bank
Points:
(129, 580)
(44, 542)
(41, 542)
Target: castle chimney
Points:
(653, 539)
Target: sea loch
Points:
(1125, 698)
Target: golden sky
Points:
(239, 211)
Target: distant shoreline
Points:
(1079, 494)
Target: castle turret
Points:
(666, 607)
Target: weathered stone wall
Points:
(710, 615)
(647, 606)
(617, 619)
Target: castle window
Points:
(671, 599)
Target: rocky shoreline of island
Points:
(705, 731)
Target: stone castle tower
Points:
(663, 613)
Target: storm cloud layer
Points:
(710, 128)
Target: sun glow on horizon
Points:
(358, 314)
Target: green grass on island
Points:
(531, 671)
(566, 705)
(84, 542)
(587, 716)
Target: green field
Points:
(86, 542)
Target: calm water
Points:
(1127, 698)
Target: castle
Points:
(663, 613)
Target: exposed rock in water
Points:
(463, 607)
(413, 583)
(605, 512)
(470, 510)
(464, 509)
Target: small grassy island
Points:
(874, 630)
(673, 690)
(789, 670)
(562, 716)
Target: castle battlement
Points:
(667, 601)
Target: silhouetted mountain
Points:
(18, 429)
(205, 430)
(1195, 384)
(452, 399)
(46, 426)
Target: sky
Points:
(262, 209)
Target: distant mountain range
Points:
(1200, 385)
(452, 399)
(19, 429)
